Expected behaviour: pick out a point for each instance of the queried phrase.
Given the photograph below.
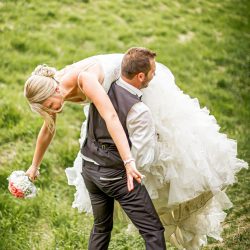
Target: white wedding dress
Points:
(195, 161)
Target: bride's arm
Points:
(93, 90)
(44, 138)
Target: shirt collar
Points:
(133, 90)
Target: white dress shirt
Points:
(141, 129)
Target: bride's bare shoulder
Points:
(90, 64)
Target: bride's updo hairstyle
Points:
(38, 87)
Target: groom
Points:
(104, 171)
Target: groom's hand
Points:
(132, 173)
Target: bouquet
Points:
(20, 185)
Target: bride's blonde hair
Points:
(38, 87)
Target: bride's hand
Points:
(32, 173)
(132, 173)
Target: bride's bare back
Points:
(68, 77)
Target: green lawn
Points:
(204, 43)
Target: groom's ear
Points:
(141, 76)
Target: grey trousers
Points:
(108, 184)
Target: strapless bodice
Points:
(111, 65)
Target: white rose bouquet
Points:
(20, 185)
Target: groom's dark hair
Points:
(136, 60)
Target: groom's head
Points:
(138, 67)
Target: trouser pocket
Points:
(109, 174)
(110, 178)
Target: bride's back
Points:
(82, 65)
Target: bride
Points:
(194, 164)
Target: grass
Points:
(204, 43)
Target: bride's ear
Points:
(57, 90)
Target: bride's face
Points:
(54, 103)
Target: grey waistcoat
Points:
(99, 145)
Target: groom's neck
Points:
(132, 82)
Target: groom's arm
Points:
(142, 134)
